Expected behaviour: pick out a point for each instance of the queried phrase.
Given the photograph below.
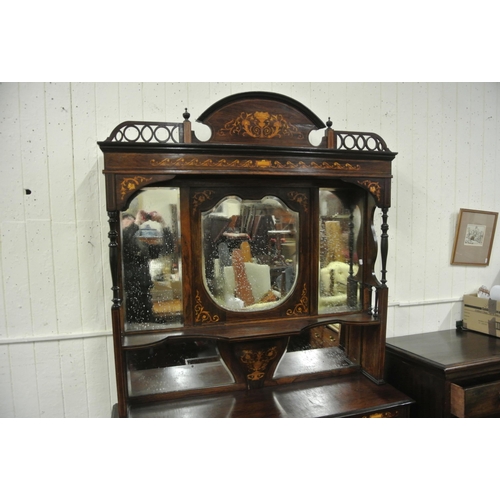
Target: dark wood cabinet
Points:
(451, 373)
(243, 266)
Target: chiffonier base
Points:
(346, 396)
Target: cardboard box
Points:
(481, 315)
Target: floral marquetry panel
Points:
(261, 121)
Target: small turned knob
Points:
(329, 123)
(186, 115)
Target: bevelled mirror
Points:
(339, 232)
(152, 261)
(250, 252)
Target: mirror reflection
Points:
(340, 222)
(152, 261)
(250, 252)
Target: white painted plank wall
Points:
(56, 355)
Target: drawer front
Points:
(475, 401)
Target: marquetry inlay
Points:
(260, 125)
(300, 198)
(302, 307)
(201, 197)
(201, 314)
(255, 164)
(129, 184)
(257, 361)
(373, 187)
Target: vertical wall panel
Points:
(131, 102)
(34, 150)
(60, 151)
(198, 99)
(176, 98)
(402, 200)
(12, 199)
(16, 280)
(67, 278)
(419, 195)
(153, 98)
(96, 377)
(432, 257)
(337, 105)
(219, 90)
(74, 388)
(41, 272)
(107, 118)
(388, 130)
(448, 180)
(6, 392)
(93, 305)
(89, 199)
(24, 380)
(490, 137)
(463, 171)
(48, 374)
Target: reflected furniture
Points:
(450, 373)
(243, 266)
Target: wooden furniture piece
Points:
(448, 373)
(243, 266)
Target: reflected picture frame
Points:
(474, 237)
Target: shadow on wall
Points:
(454, 314)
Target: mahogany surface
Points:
(425, 366)
(347, 396)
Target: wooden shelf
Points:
(347, 396)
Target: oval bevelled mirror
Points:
(250, 260)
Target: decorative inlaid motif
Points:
(373, 187)
(334, 166)
(199, 198)
(129, 184)
(257, 361)
(196, 162)
(260, 125)
(302, 307)
(257, 164)
(300, 198)
(201, 315)
(385, 414)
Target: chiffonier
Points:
(243, 266)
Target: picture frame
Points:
(474, 237)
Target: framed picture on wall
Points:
(474, 237)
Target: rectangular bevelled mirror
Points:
(151, 257)
(340, 221)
